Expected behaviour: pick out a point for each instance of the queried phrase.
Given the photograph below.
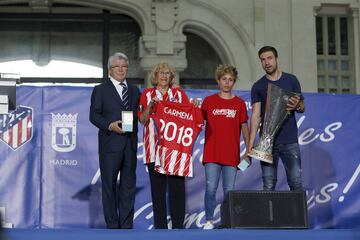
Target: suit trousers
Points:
(176, 187)
(118, 199)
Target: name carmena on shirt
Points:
(177, 113)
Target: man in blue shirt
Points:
(286, 144)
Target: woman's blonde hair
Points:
(221, 70)
(157, 68)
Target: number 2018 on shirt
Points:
(183, 135)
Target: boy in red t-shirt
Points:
(226, 117)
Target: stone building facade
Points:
(317, 40)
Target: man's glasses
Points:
(122, 66)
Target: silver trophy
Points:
(275, 114)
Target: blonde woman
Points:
(162, 78)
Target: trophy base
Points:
(261, 156)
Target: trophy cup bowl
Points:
(275, 115)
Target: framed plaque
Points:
(127, 121)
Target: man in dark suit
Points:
(117, 148)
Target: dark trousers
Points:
(176, 187)
(118, 200)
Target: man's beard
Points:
(271, 72)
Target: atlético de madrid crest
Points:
(63, 132)
(16, 128)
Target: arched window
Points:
(202, 62)
(80, 37)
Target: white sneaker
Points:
(208, 225)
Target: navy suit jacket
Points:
(106, 107)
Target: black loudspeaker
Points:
(264, 209)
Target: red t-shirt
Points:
(179, 125)
(223, 129)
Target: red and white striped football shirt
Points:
(178, 126)
(150, 135)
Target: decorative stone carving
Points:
(164, 13)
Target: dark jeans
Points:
(290, 156)
(176, 187)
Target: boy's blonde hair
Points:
(221, 70)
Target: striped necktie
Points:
(125, 95)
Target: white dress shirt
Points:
(118, 87)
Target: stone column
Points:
(164, 44)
